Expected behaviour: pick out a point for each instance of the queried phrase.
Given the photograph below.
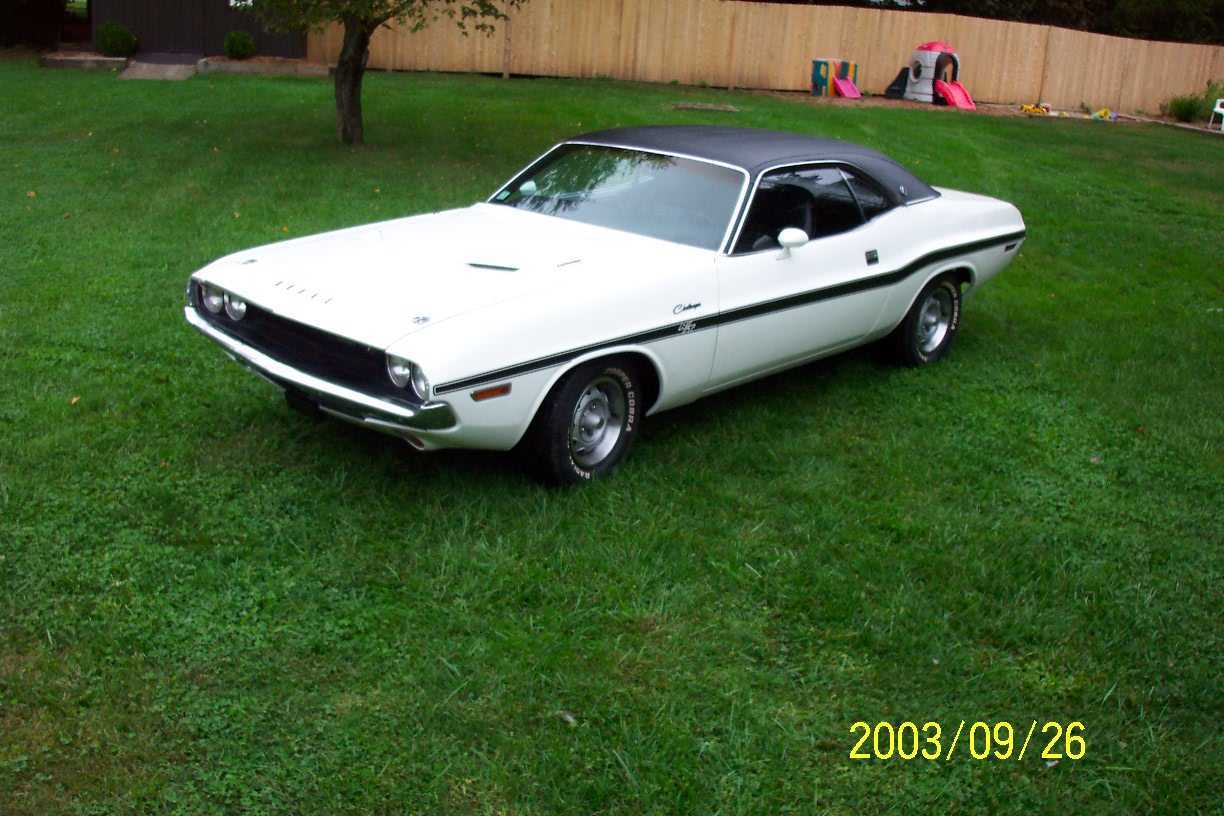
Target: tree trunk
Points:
(350, 69)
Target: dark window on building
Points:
(816, 200)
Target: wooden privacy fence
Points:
(771, 46)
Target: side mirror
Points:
(791, 238)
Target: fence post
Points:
(507, 51)
(1045, 67)
(1122, 80)
(731, 61)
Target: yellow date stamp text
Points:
(979, 740)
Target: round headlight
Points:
(212, 298)
(420, 383)
(399, 370)
(235, 307)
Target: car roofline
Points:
(755, 149)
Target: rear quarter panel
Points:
(955, 231)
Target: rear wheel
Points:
(587, 423)
(930, 326)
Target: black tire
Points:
(567, 443)
(931, 325)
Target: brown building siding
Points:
(193, 26)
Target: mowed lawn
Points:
(209, 604)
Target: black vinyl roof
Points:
(755, 150)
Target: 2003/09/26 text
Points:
(983, 740)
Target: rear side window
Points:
(868, 194)
(816, 200)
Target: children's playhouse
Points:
(933, 75)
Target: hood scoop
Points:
(309, 293)
(495, 267)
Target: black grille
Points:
(318, 353)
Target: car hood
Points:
(380, 282)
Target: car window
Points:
(675, 199)
(867, 193)
(816, 200)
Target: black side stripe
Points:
(732, 315)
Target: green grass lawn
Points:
(209, 604)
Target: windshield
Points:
(682, 200)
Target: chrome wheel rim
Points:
(934, 319)
(598, 422)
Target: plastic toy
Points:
(933, 76)
(846, 88)
(825, 75)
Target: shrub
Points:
(239, 45)
(1195, 107)
(1183, 108)
(114, 40)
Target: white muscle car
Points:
(622, 273)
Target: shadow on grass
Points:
(337, 443)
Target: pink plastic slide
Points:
(845, 87)
(955, 94)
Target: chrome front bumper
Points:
(343, 403)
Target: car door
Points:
(779, 307)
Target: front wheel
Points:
(587, 423)
(930, 326)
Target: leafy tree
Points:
(1181, 20)
(361, 18)
(1178, 20)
